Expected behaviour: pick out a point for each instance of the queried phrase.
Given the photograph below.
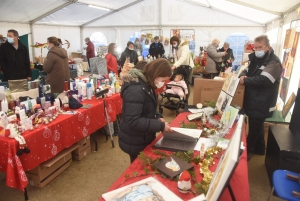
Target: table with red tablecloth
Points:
(238, 182)
(48, 140)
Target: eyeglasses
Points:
(259, 47)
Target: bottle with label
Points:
(89, 91)
(79, 88)
(113, 89)
(4, 105)
(117, 87)
(111, 75)
(8, 95)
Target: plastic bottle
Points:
(89, 91)
(92, 87)
(111, 75)
(29, 104)
(83, 90)
(113, 89)
(79, 88)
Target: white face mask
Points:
(259, 53)
(10, 40)
(131, 48)
(175, 45)
(159, 84)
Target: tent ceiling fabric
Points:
(78, 13)
(25, 11)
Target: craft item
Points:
(66, 107)
(11, 105)
(43, 100)
(46, 89)
(71, 86)
(47, 105)
(202, 151)
(29, 85)
(66, 86)
(17, 102)
(22, 114)
(57, 104)
(40, 88)
(203, 119)
(199, 105)
(48, 97)
(184, 183)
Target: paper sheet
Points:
(195, 133)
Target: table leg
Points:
(94, 139)
(25, 194)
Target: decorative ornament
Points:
(184, 183)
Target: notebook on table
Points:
(181, 139)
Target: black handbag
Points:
(219, 65)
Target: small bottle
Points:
(79, 88)
(92, 87)
(83, 90)
(89, 91)
(113, 89)
(29, 104)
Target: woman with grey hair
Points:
(213, 55)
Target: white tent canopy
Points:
(118, 20)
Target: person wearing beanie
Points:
(129, 53)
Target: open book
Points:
(181, 139)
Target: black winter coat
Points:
(131, 54)
(228, 56)
(15, 64)
(139, 117)
(154, 52)
(262, 83)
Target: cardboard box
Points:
(83, 149)
(206, 90)
(47, 171)
(76, 55)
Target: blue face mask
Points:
(260, 53)
(60, 45)
(10, 40)
(48, 48)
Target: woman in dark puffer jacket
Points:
(140, 119)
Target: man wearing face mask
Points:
(129, 53)
(90, 49)
(156, 48)
(261, 79)
(14, 58)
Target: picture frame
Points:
(148, 186)
(286, 108)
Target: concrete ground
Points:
(88, 179)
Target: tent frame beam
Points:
(112, 12)
(255, 7)
(52, 11)
(175, 26)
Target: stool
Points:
(283, 186)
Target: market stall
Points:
(136, 171)
(48, 140)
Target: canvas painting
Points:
(286, 108)
(284, 88)
(229, 116)
(295, 44)
(146, 189)
(230, 84)
(226, 166)
(223, 100)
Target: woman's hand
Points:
(167, 128)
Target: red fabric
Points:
(250, 47)
(111, 62)
(238, 182)
(48, 140)
(162, 89)
(90, 50)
